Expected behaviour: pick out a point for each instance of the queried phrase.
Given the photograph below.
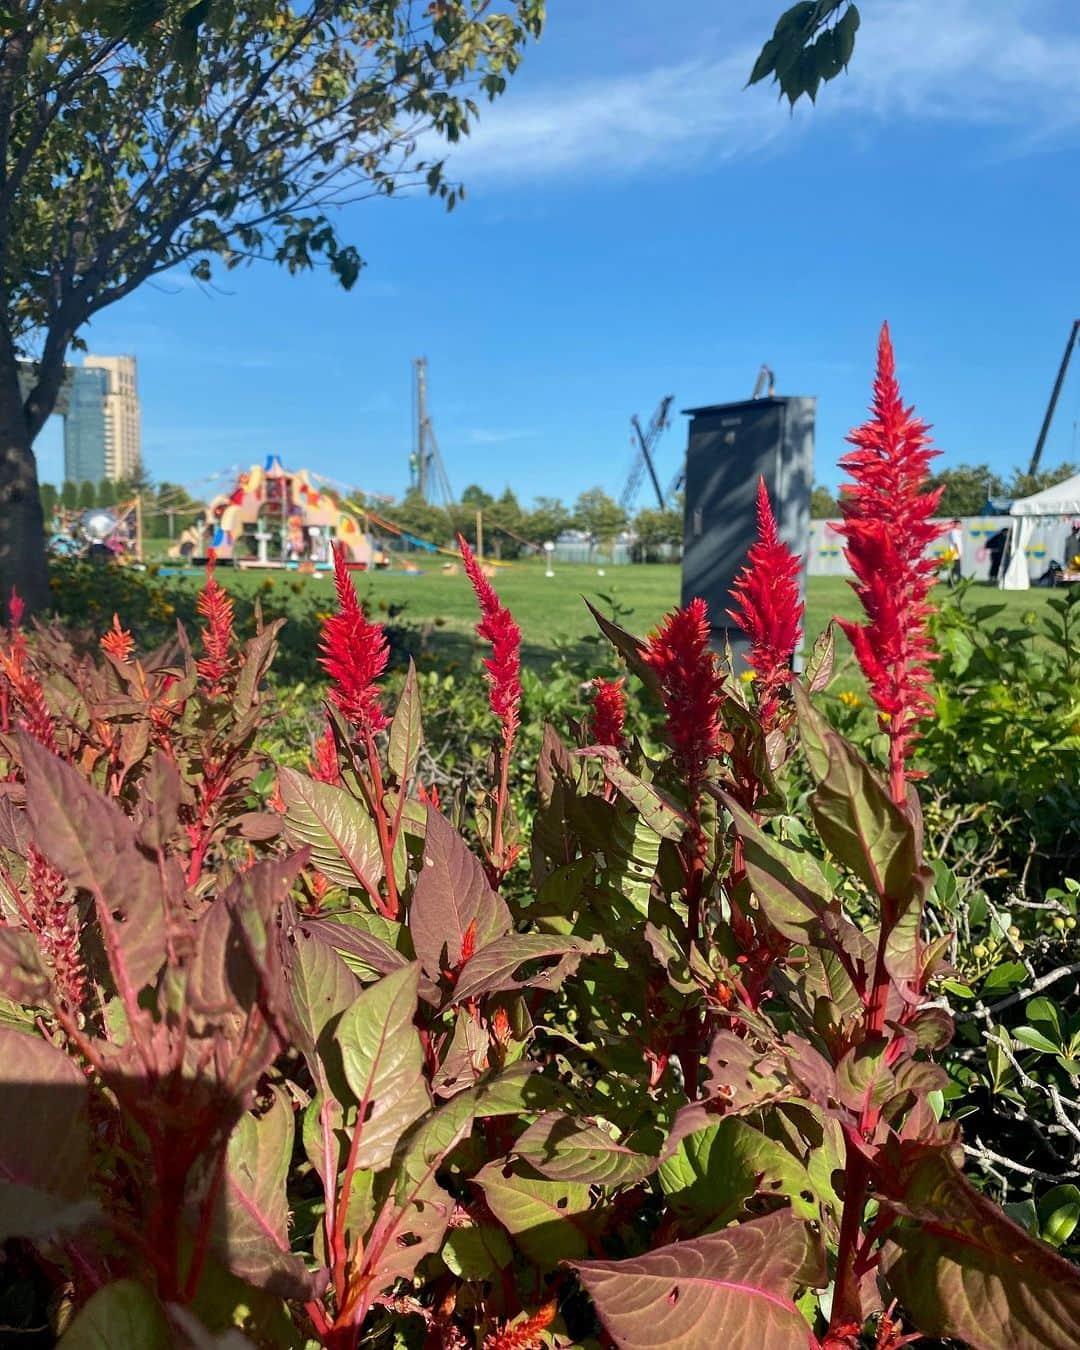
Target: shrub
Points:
(316, 1075)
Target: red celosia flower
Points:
(504, 665)
(118, 642)
(56, 922)
(686, 667)
(216, 607)
(608, 712)
(24, 688)
(16, 609)
(768, 607)
(888, 526)
(354, 654)
(324, 767)
(428, 795)
(527, 1334)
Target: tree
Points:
(87, 499)
(811, 44)
(106, 493)
(49, 498)
(475, 498)
(823, 504)
(506, 520)
(137, 137)
(421, 518)
(965, 488)
(599, 515)
(547, 520)
(1023, 484)
(653, 529)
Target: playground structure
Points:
(274, 517)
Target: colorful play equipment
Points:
(274, 517)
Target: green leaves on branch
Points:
(811, 44)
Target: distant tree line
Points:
(966, 488)
(167, 508)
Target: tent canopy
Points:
(1063, 499)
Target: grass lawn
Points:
(549, 609)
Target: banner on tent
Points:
(1049, 536)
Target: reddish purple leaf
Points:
(452, 895)
(733, 1289)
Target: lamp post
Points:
(549, 549)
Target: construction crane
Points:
(1033, 467)
(645, 442)
(427, 473)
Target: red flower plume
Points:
(497, 626)
(768, 607)
(323, 766)
(686, 667)
(216, 607)
(118, 642)
(888, 527)
(608, 712)
(354, 654)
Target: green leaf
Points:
(732, 1289)
(124, 1313)
(544, 1217)
(252, 1233)
(564, 1149)
(1003, 978)
(1035, 1040)
(963, 1270)
(452, 896)
(1059, 1214)
(715, 1171)
(477, 1252)
(845, 34)
(406, 732)
(383, 1063)
(90, 840)
(336, 827)
(45, 1140)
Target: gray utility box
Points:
(730, 446)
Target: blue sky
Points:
(639, 224)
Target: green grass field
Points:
(549, 609)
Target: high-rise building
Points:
(101, 427)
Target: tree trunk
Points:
(22, 525)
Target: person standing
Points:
(956, 549)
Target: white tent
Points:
(1054, 503)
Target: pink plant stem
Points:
(386, 842)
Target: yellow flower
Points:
(850, 700)
(748, 676)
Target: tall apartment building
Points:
(101, 427)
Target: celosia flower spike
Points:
(216, 607)
(608, 712)
(16, 609)
(324, 767)
(497, 626)
(686, 667)
(888, 527)
(118, 642)
(768, 606)
(354, 653)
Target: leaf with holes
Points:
(452, 897)
(564, 1149)
(252, 1218)
(545, 1218)
(715, 1171)
(733, 1289)
(965, 1271)
(495, 968)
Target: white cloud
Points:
(969, 62)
